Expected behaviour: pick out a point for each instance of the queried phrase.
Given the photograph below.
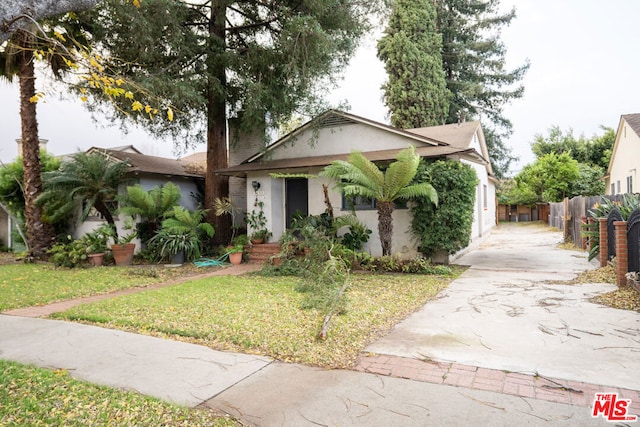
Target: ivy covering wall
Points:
(446, 227)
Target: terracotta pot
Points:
(257, 241)
(123, 254)
(277, 261)
(96, 259)
(235, 258)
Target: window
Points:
(613, 189)
(629, 184)
(618, 187)
(484, 196)
(358, 203)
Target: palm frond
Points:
(421, 190)
(400, 173)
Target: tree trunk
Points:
(385, 225)
(217, 186)
(39, 234)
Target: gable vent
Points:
(334, 120)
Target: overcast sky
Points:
(583, 58)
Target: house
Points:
(333, 135)
(148, 171)
(622, 173)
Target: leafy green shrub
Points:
(356, 237)
(447, 226)
(70, 254)
(184, 232)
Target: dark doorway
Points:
(297, 198)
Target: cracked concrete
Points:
(509, 312)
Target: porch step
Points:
(262, 252)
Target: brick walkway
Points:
(517, 384)
(48, 309)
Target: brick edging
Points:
(513, 383)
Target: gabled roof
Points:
(141, 163)
(335, 118)
(439, 141)
(321, 161)
(634, 121)
(458, 135)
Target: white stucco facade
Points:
(343, 139)
(622, 174)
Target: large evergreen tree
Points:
(473, 58)
(217, 59)
(416, 92)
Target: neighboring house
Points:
(333, 135)
(622, 174)
(149, 171)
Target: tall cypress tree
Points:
(416, 91)
(473, 59)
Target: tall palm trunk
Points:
(39, 234)
(217, 186)
(385, 225)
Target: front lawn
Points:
(262, 315)
(39, 397)
(26, 285)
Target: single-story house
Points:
(622, 173)
(148, 171)
(333, 135)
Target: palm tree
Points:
(18, 59)
(89, 178)
(153, 206)
(360, 177)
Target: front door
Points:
(297, 198)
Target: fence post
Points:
(622, 259)
(566, 220)
(604, 243)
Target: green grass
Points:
(39, 397)
(262, 315)
(26, 285)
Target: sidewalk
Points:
(263, 392)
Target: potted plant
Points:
(175, 246)
(235, 254)
(96, 244)
(257, 222)
(181, 235)
(122, 249)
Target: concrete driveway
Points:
(508, 312)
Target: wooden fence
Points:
(575, 209)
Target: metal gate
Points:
(633, 240)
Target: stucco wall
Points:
(339, 140)
(625, 161)
(272, 194)
(187, 187)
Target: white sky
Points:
(583, 67)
